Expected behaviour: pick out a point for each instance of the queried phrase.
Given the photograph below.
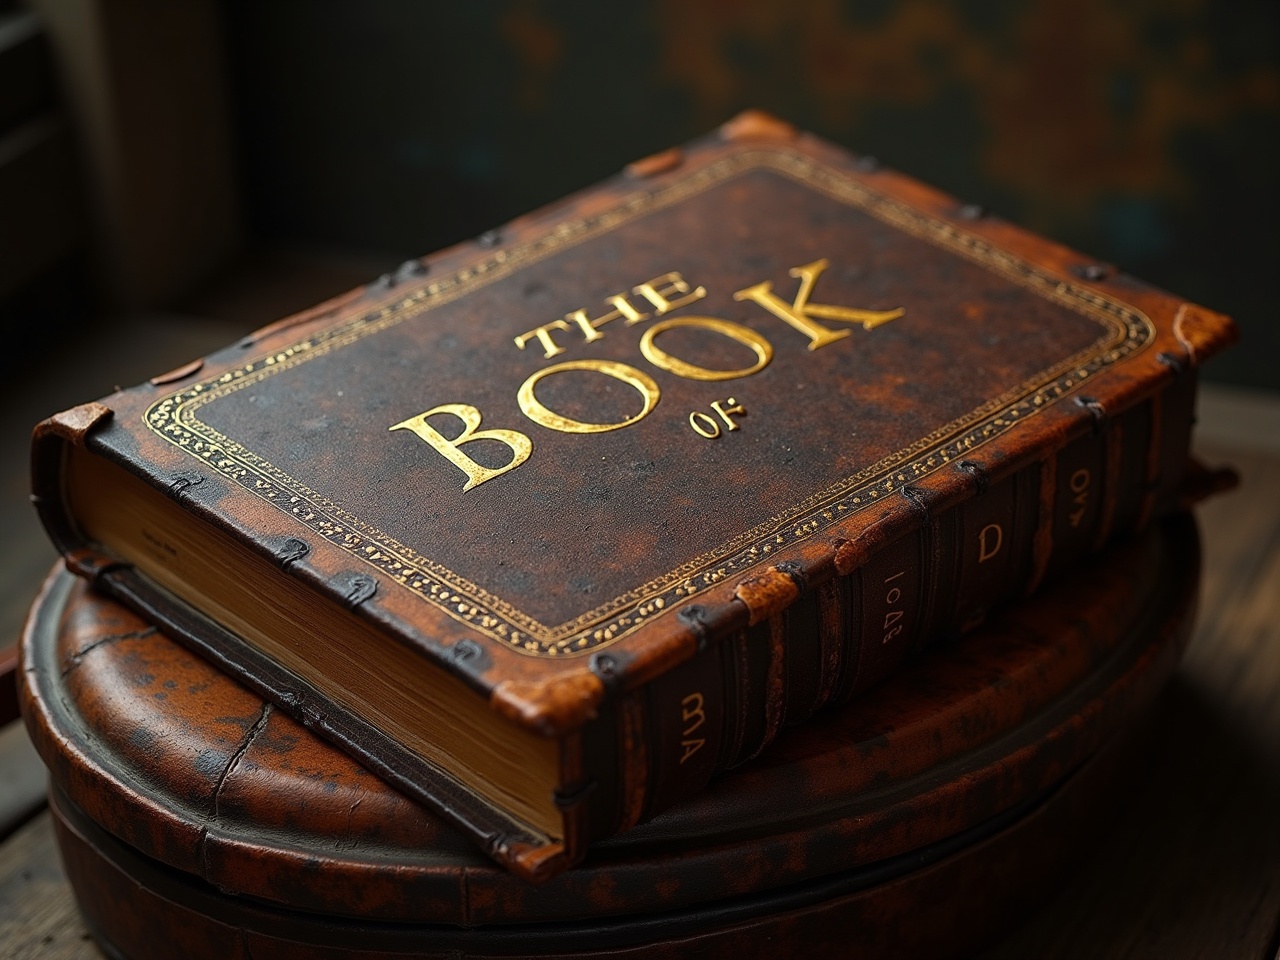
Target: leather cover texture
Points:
(740, 370)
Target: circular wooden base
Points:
(914, 820)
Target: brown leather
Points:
(943, 903)
(184, 767)
(596, 545)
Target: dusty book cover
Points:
(629, 471)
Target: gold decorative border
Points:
(174, 417)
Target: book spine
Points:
(843, 635)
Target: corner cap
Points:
(552, 707)
(537, 864)
(1202, 332)
(655, 164)
(76, 423)
(771, 592)
(848, 557)
(756, 125)
(178, 373)
(332, 305)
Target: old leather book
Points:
(929, 815)
(550, 527)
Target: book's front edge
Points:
(516, 846)
(48, 447)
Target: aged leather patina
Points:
(711, 408)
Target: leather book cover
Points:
(659, 469)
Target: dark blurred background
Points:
(201, 142)
(1142, 132)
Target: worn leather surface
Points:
(185, 767)
(598, 541)
(297, 421)
(943, 902)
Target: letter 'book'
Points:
(550, 527)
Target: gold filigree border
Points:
(174, 417)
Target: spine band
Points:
(841, 636)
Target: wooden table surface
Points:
(1191, 864)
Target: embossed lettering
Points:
(734, 407)
(690, 748)
(621, 308)
(990, 540)
(706, 426)
(477, 474)
(692, 713)
(541, 415)
(800, 313)
(894, 594)
(681, 368)
(703, 425)
(1079, 482)
(543, 333)
(664, 293)
(670, 283)
(692, 716)
(657, 291)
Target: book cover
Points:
(606, 497)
